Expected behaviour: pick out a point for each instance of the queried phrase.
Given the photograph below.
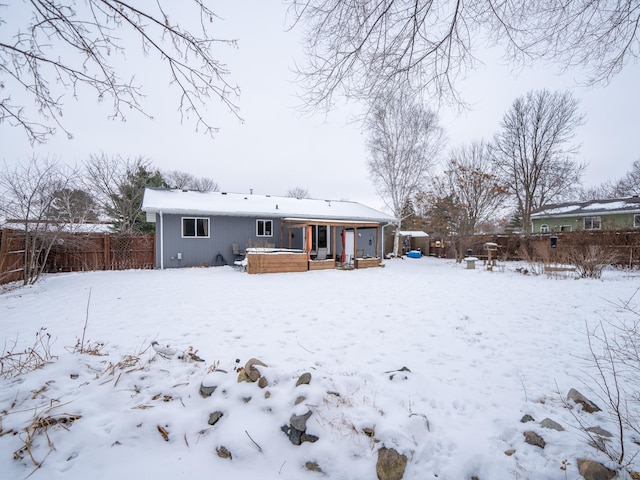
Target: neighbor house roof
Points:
(249, 205)
(591, 207)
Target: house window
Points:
(566, 228)
(636, 220)
(544, 228)
(195, 227)
(592, 223)
(264, 228)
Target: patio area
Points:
(282, 260)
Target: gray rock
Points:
(532, 438)
(313, 467)
(599, 444)
(591, 470)
(527, 418)
(214, 417)
(209, 384)
(599, 431)
(304, 379)
(224, 453)
(299, 422)
(587, 405)
(299, 400)
(308, 438)
(295, 435)
(207, 391)
(390, 465)
(548, 423)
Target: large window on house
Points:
(193, 227)
(636, 220)
(264, 228)
(592, 223)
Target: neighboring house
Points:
(610, 214)
(201, 228)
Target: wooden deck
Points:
(283, 261)
(276, 262)
(367, 262)
(322, 264)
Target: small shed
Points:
(414, 240)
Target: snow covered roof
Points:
(412, 233)
(245, 205)
(591, 207)
(63, 227)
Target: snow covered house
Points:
(609, 214)
(216, 228)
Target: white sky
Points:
(277, 148)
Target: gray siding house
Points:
(202, 228)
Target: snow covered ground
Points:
(482, 349)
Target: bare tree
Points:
(75, 205)
(533, 152)
(598, 192)
(629, 185)
(118, 185)
(298, 192)
(404, 141)
(470, 177)
(30, 191)
(362, 48)
(55, 47)
(184, 180)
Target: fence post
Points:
(107, 252)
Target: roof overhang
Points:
(305, 222)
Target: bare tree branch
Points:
(65, 45)
(361, 48)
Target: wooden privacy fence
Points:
(79, 252)
(619, 247)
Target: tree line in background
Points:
(47, 199)
(485, 186)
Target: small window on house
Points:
(592, 223)
(264, 228)
(636, 220)
(544, 228)
(195, 227)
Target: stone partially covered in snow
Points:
(591, 470)
(532, 438)
(209, 384)
(390, 465)
(304, 379)
(250, 373)
(553, 425)
(587, 405)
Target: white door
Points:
(348, 246)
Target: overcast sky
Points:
(277, 148)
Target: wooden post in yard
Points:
(107, 252)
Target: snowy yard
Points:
(482, 349)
